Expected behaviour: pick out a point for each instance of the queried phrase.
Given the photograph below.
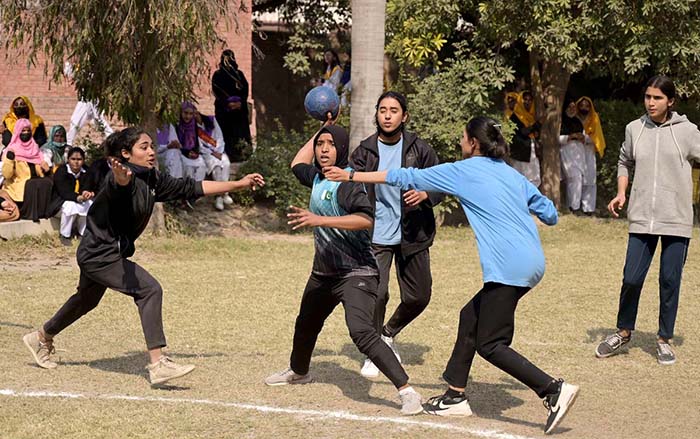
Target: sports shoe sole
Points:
(569, 395)
(179, 375)
(417, 411)
(457, 411)
(666, 362)
(31, 349)
(307, 380)
(615, 352)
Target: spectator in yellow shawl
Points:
(511, 99)
(523, 146)
(591, 124)
(22, 108)
(594, 142)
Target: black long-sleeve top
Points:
(64, 183)
(119, 214)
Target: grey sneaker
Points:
(664, 353)
(166, 369)
(411, 403)
(40, 351)
(611, 345)
(287, 376)
(390, 342)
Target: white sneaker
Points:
(558, 405)
(369, 369)
(390, 342)
(219, 203)
(227, 199)
(411, 402)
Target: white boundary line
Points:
(489, 434)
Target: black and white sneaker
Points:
(558, 404)
(444, 405)
(611, 345)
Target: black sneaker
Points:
(558, 404)
(444, 405)
(611, 345)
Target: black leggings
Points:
(415, 287)
(357, 294)
(126, 277)
(486, 325)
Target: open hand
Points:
(334, 173)
(616, 204)
(413, 198)
(122, 174)
(302, 218)
(253, 181)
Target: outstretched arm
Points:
(299, 218)
(252, 181)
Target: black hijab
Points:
(569, 125)
(340, 139)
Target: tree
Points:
(139, 58)
(626, 39)
(367, 67)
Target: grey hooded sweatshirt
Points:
(661, 199)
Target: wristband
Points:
(352, 174)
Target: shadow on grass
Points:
(644, 340)
(351, 383)
(134, 363)
(411, 353)
(16, 325)
(490, 400)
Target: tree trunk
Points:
(549, 83)
(367, 66)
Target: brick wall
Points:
(54, 102)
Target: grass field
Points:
(229, 308)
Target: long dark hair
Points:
(127, 139)
(488, 132)
(334, 62)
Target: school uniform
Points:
(68, 185)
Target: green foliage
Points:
(444, 102)
(417, 29)
(274, 152)
(139, 58)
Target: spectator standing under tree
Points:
(575, 167)
(230, 88)
(524, 149)
(22, 108)
(332, 71)
(594, 143)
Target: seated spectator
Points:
(22, 108)
(169, 153)
(54, 151)
(185, 132)
(23, 168)
(72, 187)
(8, 208)
(212, 146)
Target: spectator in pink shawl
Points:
(23, 162)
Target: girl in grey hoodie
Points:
(659, 147)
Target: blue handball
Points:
(321, 100)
